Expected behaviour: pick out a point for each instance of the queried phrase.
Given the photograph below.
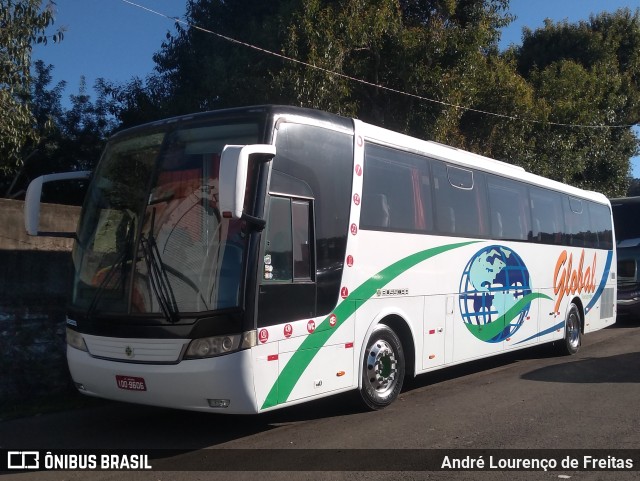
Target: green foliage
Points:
(67, 138)
(22, 22)
(428, 68)
(586, 74)
(634, 188)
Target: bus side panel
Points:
(603, 313)
(527, 333)
(318, 362)
(266, 368)
(551, 322)
(438, 316)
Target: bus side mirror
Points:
(234, 165)
(32, 201)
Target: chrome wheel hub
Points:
(382, 368)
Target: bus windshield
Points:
(151, 239)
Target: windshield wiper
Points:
(121, 261)
(158, 275)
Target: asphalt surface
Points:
(524, 401)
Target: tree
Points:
(69, 138)
(22, 22)
(634, 187)
(586, 74)
(406, 51)
(429, 48)
(560, 105)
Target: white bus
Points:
(244, 260)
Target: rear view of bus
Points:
(626, 212)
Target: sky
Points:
(115, 40)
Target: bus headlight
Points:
(75, 339)
(218, 345)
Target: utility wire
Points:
(365, 82)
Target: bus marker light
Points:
(340, 373)
(432, 331)
(219, 403)
(348, 345)
(272, 357)
(432, 356)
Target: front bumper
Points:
(629, 301)
(189, 384)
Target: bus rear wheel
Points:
(383, 368)
(572, 331)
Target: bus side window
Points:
(548, 218)
(396, 191)
(577, 222)
(460, 198)
(601, 228)
(301, 214)
(288, 252)
(279, 247)
(508, 209)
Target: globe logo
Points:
(495, 293)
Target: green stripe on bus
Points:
(303, 356)
(485, 332)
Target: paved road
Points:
(531, 399)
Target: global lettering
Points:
(569, 280)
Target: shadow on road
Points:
(113, 425)
(622, 368)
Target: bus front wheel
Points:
(383, 368)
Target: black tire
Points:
(572, 341)
(383, 368)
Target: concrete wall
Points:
(35, 281)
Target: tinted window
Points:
(396, 191)
(322, 160)
(508, 209)
(577, 223)
(279, 246)
(547, 219)
(601, 224)
(300, 215)
(288, 244)
(460, 201)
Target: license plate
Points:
(131, 383)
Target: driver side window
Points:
(287, 255)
